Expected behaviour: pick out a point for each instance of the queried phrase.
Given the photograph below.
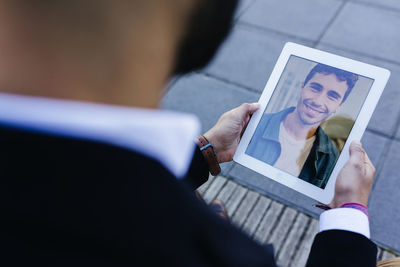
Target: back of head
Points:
(207, 28)
(60, 46)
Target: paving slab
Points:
(207, 98)
(392, 4)
(248, 56)
(375, 145)
(362, 31)
(384, 204)
(366, 29)
(386, 114)
(242, 7)
(306, 19)
(398, 130)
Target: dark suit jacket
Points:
(67, 201)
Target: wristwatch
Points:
(208, 152)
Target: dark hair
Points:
(207, 28)
(341, 75)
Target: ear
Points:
(302, 85)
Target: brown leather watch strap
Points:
(207, 150)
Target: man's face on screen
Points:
(320, 97)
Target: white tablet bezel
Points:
(380, 77)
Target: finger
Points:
(245, 123)
(253, 108)
(357, 153)
(368, 161)
(370, 166)
(249, 108)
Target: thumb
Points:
(356, 152)
(251, 108)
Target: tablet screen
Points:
(308, 119)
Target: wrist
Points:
(357, 206)
(208, 152)
(213, 140)
(349, 197)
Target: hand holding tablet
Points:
(312, 107)
(355, 180)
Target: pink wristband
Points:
(356, 206)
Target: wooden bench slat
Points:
(267, 222)
(292, 235)
(244, 208)
(293, 239)
(256, 215)
(203, 188)
(227, 191)
(235, 199)
(301, 255)
(282, 228)
(214, 188)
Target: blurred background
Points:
(364, 30)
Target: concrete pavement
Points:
(365, 30)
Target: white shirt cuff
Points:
(347, 219)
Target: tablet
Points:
(313, 105)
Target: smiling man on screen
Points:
(94, 174)
(292, 139)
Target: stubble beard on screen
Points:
(314, 117)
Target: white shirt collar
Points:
(163, 135)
